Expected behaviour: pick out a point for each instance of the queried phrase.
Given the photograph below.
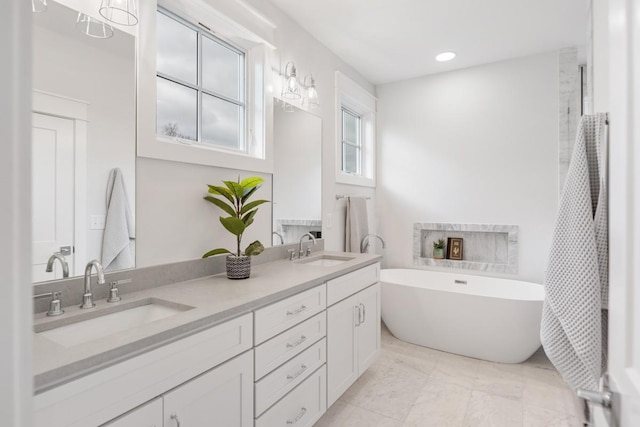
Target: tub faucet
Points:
(63, 262)
(300, 251)
(87, 298)
(364, 244)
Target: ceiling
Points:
(391, 40)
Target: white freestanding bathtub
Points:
(482, 317)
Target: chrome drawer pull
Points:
(297, 310)
(296, 343)
(297, 418)
(174, 416)
(364, 313)
(358, 315)
(298, 373)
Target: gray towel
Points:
(119, 230)
(573, 330)
(357, 224)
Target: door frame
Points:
(73, 109)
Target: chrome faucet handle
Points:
(292, 254)
(113, 291)
(308, 251)
(55, 305)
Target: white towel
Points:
(357, 224)
(119, 230)
(573, 332)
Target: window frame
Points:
(357, 101)
(357, 144)
(201, 32)
(249, 30)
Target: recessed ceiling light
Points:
(445, 56)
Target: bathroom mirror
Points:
(297, 178)
(83, 131)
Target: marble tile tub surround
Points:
(486, 247)
(215, 299)
(149, 277)
(413, 386)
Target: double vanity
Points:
(275, 349)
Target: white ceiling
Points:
(391, 40)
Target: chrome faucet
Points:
(280, 236)
(300, 251)
(364, 244)
(87, 298)
(63, 262)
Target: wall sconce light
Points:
(123, 12)
(312, 94)
(93, 27)
(291, 88)
(38, 6)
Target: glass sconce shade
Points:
(93, 27)
(123, 12)
(291, 88)
(312, 93)
(38, 5)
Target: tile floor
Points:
(413, 386)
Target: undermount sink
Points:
(325, 260)
(96, 324)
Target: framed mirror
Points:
(297, 178)
(83, 144)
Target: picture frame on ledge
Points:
(454, 248)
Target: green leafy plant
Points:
(233, 199)
(439, 244)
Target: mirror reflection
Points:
(83, 143)
(297, 178)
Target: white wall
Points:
(82, 68)
(478, 145)
(15, 216)
(181, 219)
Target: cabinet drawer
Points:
(281, 381)
(300, 408)
(344, 286)
(277, 350)
(278, 317)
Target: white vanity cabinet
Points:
(290, 378)
(353, 329)
(148, 415)
(222, 396)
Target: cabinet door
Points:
(220, 397)
(368, 332)
(342, 355)
(148, 415)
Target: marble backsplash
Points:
(486, 247)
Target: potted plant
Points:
(438, 249)
(233, 199)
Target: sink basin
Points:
(92, 325)
(325, 260)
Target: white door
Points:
(342, 353)
(148, 415)
(624, 205)
(52, 183)
(220, 397)
(369, 328)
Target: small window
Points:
(351, 143)
(200, 86)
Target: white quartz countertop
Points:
(214, 299)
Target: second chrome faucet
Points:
(87, 298)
